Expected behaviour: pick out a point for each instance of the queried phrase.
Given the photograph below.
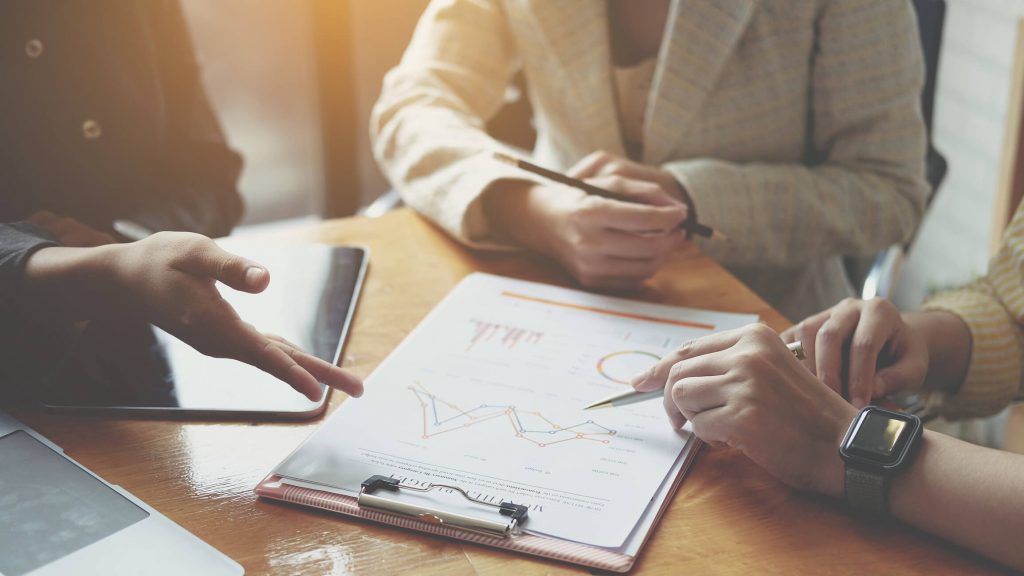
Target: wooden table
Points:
(728, 517)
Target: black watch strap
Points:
(866, 492)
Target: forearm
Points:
(515, 211)
(949, 348)
(70, 284)
(966, 494)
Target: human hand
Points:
(604, 243)
(882, 353)
(605, 165)
(169, 279)
(609, 244)
(70, 232)
(745, 389)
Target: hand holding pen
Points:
(646, 386)
(591, 174)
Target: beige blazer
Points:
(795, 125)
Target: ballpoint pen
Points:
(631, 396)
(691, 227)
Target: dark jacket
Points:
(103, 117)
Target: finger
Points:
(872, 333)
(906, 373)
(668, 191)
(278, 361)
(329, 374)
(630, 217)
(699, 393)
(675, 417)
(323, 371)
(656, 377)
(712, 425)
(807, 333)
(205, 258)
(830, 345)
(710, 364)
(638, 186)
(650, 246)
(637, 190)
(283, 340)
(590, 164)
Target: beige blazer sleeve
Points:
(861, 187)
(427, 127)
(993, 309)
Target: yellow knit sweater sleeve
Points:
(993, 308)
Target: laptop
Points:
(57, 517)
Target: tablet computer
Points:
(117, 364)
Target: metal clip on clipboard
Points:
(515, 512)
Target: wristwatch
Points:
(879, 444)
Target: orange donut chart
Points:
(602, 364)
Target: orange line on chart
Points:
(684, 323)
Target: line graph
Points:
(441, 417)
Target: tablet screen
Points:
(49, 507)
(120, 364)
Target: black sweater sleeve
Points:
(17, 242)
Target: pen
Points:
(632, 396)
(691, 227)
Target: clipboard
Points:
(494, 378)
(432, 520)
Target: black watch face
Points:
(880, 437)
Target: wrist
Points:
(72, 284)
(833, 466)
(523, 212)
(947, 340)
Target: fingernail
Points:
(254, 275)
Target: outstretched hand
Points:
(170, 278)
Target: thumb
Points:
(210, 260)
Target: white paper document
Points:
(488, 393)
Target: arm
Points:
(428, 125)
(18, 241)
(967, 494)
(743, 388)
(967, 344)
(169, 280)
(991, 309)
(862, 187)
(197, 173)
